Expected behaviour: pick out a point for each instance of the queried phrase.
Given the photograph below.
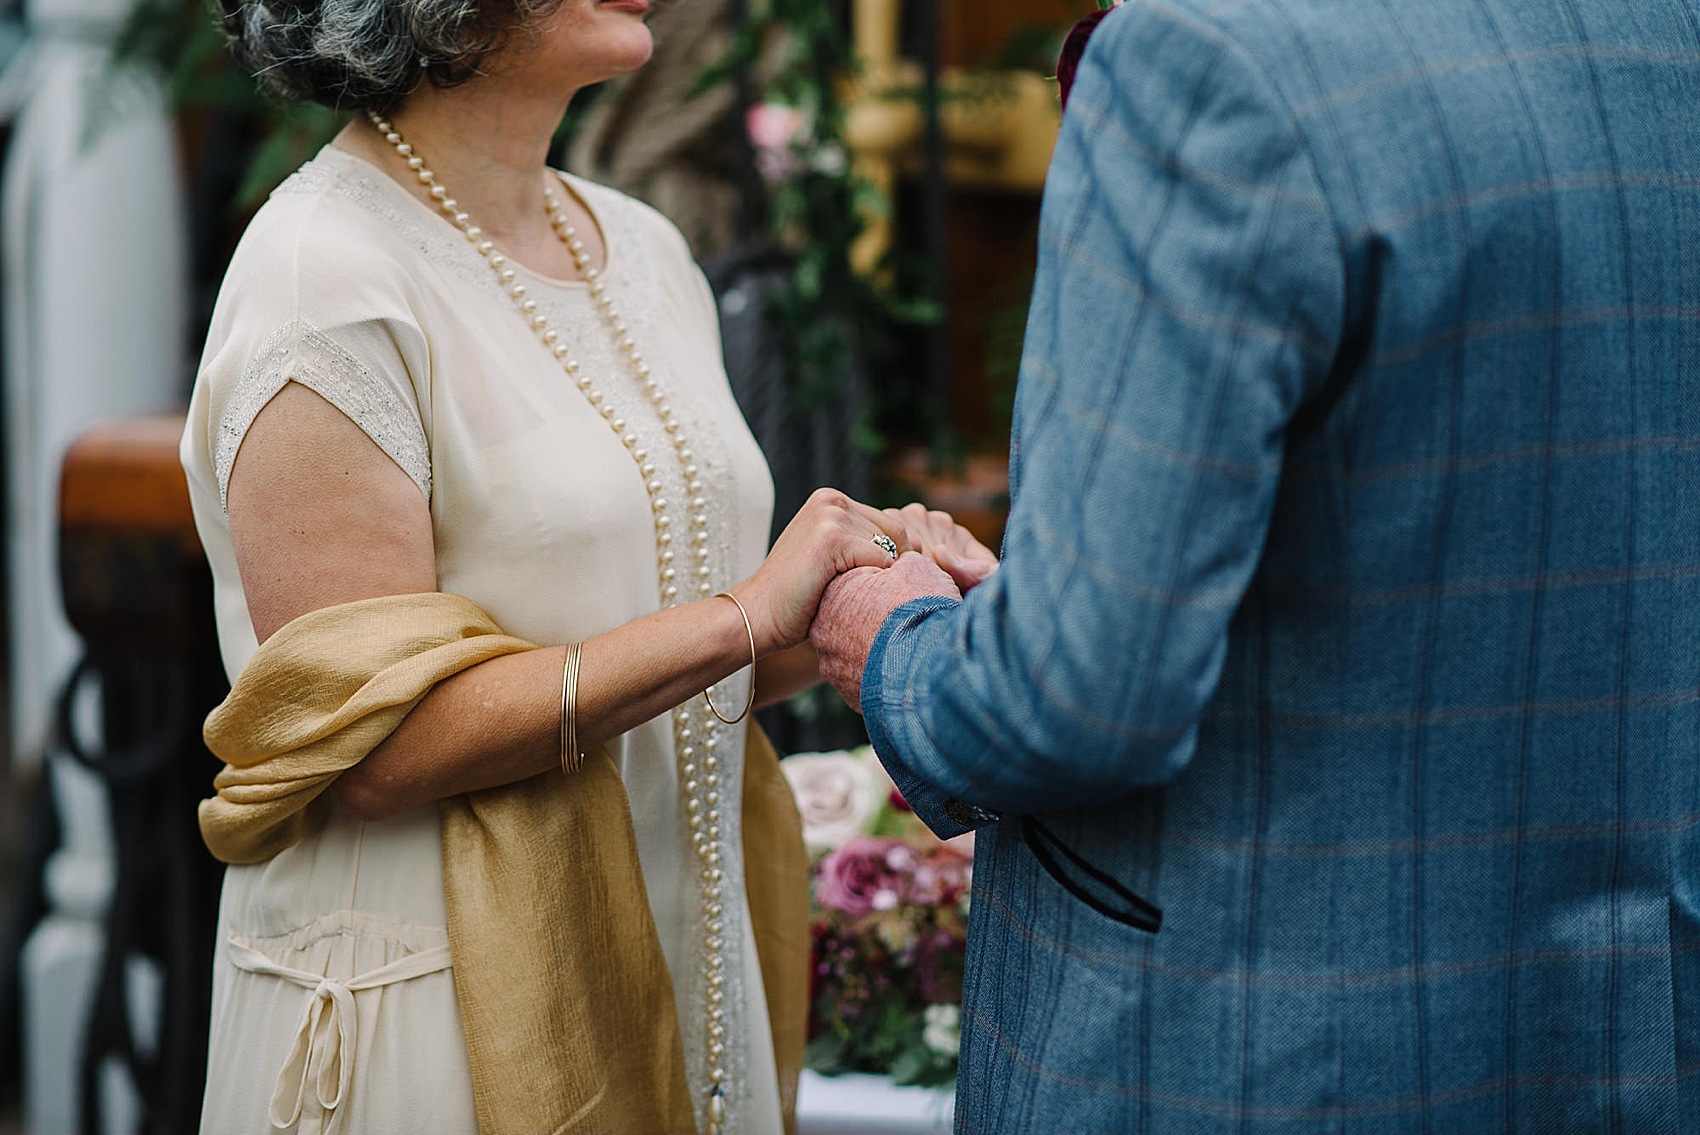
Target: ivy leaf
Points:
(308, 127)
(918, 310)
(825, 1053)
(866, 439)
(911, 1067)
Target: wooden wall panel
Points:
(992, 237)
(975, 32)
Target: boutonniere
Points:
(1074, 46)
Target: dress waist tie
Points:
(323, 1054)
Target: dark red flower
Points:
(1074, 46)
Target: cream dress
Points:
(333, 996)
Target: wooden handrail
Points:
(124, 476)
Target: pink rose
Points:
(776, 132)
(775, 127)
(838, 794)
(857, 879)
(942, 876)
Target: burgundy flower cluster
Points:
(878, 873)
(889, 923)
(889, 930)
(1074, 46)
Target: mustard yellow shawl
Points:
(564, 993)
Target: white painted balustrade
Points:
(95, 295)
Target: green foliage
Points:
(871, 1000)
(923, 1067)
(1003, 327)
(295, 134)
(832, 321)
(182, 39)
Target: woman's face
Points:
(581, 42)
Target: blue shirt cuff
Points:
(945, 815)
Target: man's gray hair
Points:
(354, 54)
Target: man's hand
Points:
(950, 545)
(856, 605)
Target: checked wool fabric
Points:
(1350, 607)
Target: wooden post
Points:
(122, 971)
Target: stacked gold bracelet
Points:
(571, 758)
(752, 637)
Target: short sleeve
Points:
(312, 297)
(330, 365)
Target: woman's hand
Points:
(933, 533)
(829, 535)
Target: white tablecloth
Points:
(855, 1104)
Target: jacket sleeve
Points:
(1188, 300)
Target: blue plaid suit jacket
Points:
(1350, 607)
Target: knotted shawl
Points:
(563, 989)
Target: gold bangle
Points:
(752, 636)
(571, 758)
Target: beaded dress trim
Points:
(300, 352)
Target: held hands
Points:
(949, 562)
(951, 546)
(831, 534)
(839, 546)
(856, 605)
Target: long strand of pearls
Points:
(694, 732)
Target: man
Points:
(1350, 603)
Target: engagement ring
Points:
(885, 542)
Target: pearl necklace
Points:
(699, 771)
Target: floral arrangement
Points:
(889, 919)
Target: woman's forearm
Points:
(786, 674)
(499, 721)
(319, 516)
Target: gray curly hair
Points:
(360, 54)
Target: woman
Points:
(438, 369)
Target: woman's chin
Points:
(589, 43)
(627, 49)
(631, 60)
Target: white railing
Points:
(95, 295)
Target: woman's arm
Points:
(320, 516)
(786, 674)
